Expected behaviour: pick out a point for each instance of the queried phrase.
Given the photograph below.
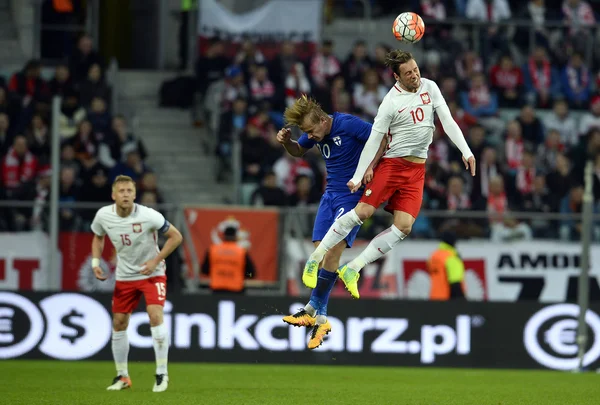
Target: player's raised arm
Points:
(284, 137)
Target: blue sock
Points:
(320, 294)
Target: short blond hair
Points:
(122, 179)
(303, 107)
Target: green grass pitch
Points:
(66, 383)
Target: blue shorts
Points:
(333, 206)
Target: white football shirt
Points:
(407, 119)
(134, 238)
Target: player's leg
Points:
(323, 220)
(126, 297)
(405, 204)
(155, 291)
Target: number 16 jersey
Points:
(134, 238)
(407, 119)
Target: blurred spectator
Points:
(149, 183)
(507, 80)
(305, 193)
(99, 116)
(234, 87)
(539, 200)
(564, 123)
(93, 86)
(497, 203)
(232, 123)
(576, 82)
(324, 66)
(537, 14)
(510, 230)
(591, 119)
(28, 84)
(82, 58)
(385, 77)
(38, 139)
(62, 83)
(547, 152)
(559, 181)
(39, 215)
(531, 127)
(467, 66)
(297, 83)
(5, 133)
(248, 57)
(118, 140)
(514, 146)
(19, 169)
(283, 63)
(526, 174)
(261, 86)
(211, 66)
(542, 81)
(570, 229)
(69, 193)
(84, 142)
(269, 194)
(482, 103)
(133, 165)
(368, 95)
(491, 36)
(287, 168)
(356, 63)
(488, 169)
(253, 146)
(71, 115)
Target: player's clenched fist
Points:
(99, 273)
(284, 135)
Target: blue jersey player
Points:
(340, 139)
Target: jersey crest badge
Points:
(368, 192)
(137, 228)
(425, 98)
(337, 140)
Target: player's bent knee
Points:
(120, 324)
(405, 229)
(155, 315)
(364, 211)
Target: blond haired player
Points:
(132, 229)
(406, 117)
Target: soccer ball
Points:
(408, 27)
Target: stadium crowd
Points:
(96, 145)
(532, 119)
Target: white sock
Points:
(379, 246)
(337, 233)
(120, 350)
(160, 341)
(310, 310)
(321, 319)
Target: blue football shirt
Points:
(341, 148)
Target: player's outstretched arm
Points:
(366, 157)
(174, 239)
(369, 174)
(97, 248)
(456, 136)
(284, 137)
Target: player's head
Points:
(123, 191)
(308, 115)
(405, 69)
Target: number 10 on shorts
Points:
(162, 291)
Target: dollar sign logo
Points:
(77, 332)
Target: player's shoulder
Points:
(145, 211)
(344, 120)
(105, 211)
(428, 84)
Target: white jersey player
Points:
(401, 135)
(132, 229)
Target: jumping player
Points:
(340, 139)
(406, 117)
(140, 270)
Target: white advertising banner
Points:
(276, 20)
(23, 261)
(545, 271)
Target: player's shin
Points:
(379, 246)
(160, 341)
(320, 294)
(337, 233)
(120, 350)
